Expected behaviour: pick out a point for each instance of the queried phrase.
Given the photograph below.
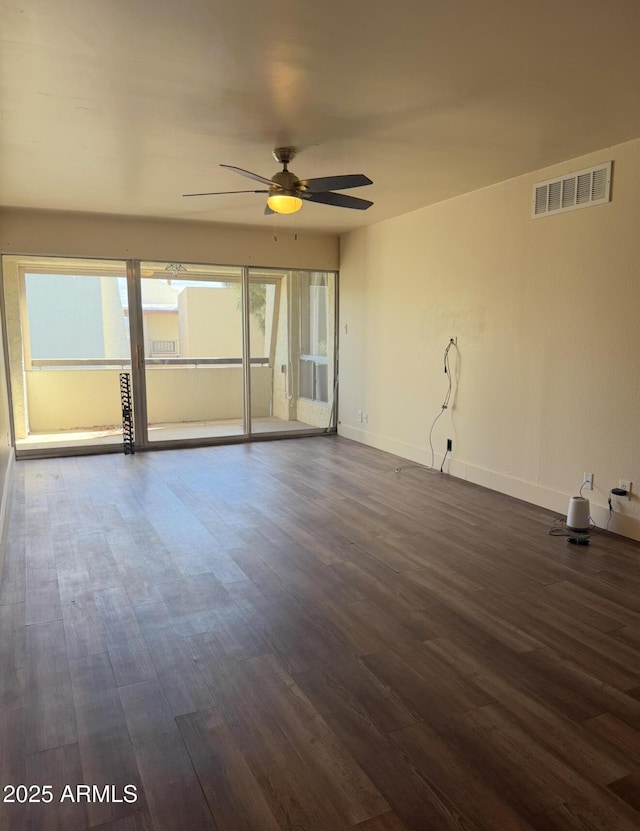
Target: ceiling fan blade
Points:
(248, 173)
(223, 192)
(325, 183)
(339, 199)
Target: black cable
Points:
(431, 433)
(443, 407)
(447, 371)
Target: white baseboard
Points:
(619, 522)
(398, 448)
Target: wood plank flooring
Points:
(290, 635)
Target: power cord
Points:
(559, 526)
(443, 407)
(616, 492)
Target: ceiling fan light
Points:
(282, 203)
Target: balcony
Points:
(77, 401)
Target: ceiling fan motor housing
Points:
(284, 182)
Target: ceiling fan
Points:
(286, 192)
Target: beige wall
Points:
(205, 394)
(85, 399)
(73, 399)
(211, 324)
(114, 329)
(160, 326)
(90, 235)
(546, 313)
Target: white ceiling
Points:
(120, 106)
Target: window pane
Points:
(292, 385)
(76, 316)
(318, 320)
(314, 313)
(322, 383)
(192, 325)
(306, 378)
(68, 332)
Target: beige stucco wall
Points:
(546, 315)
(84, 399)
(115, 332)
(160, 326)
(68, 399)
(211, 324)
(204, 394)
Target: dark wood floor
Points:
(291, 635)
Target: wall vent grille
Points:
(577, 190)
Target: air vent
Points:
(578, 190)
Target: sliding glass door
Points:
(292, 351)
(193, 351)
(220, 352)
(68, 337)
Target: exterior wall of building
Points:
(66, 317)
(211, 324)
(160, 326)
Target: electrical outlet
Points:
(625, 484)
(365, 417)
(588, 481)
(449, 445)
(360, 416)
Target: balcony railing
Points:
(79, 393)
(114, 363)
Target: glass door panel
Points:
(292, 345)
(68, 334)
(192, 329)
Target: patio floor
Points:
(158, 432)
